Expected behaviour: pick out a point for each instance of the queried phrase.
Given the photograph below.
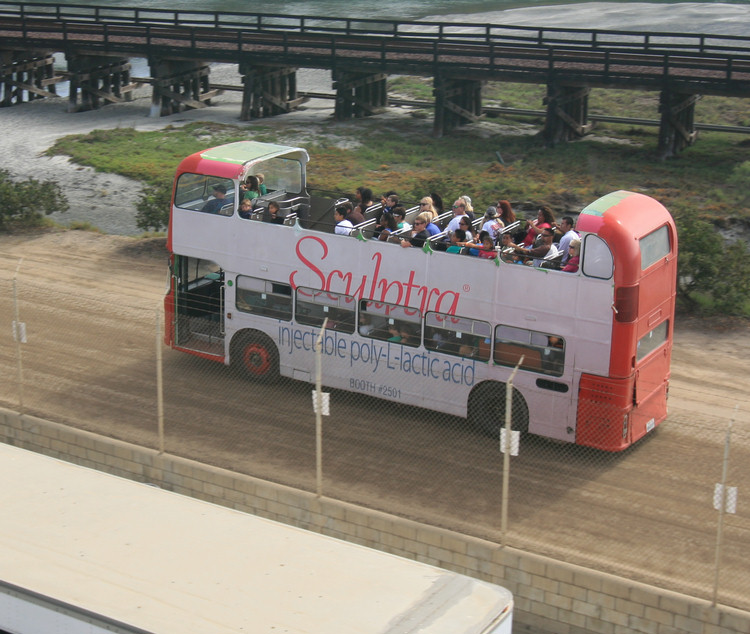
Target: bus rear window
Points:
(652, 340)
(654, 247)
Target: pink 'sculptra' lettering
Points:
(312, 251)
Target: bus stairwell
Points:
(199, 307)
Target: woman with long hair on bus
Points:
(426, 206)
(506, 212)
(251, 187)
(545, 219)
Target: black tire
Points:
(486, 409)
(255, 356)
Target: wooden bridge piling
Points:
(359, 94)
(268, 90)
(179, 85)
(26, 73)
(97, 80)
(677, 127)
(567, 113)
(457, 102)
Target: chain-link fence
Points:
(85, 349)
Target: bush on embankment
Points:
(25, 203)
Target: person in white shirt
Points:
(343, 226)
(566, 227)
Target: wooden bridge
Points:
(99, 41)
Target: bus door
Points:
(199, 305)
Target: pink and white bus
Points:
(420, 326)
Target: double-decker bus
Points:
(420, 326)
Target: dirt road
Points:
(90, 304)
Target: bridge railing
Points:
(441, 32)
(526, 60)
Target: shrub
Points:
(711, 277)
(153, 208)
(25, 203)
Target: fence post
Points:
(159, 383)
(319, 410)
(17, 336)
(722, 508)
(506, 452)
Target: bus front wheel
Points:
(486, 409)
(255, 356)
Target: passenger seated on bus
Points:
(261, 186)
(363, 197)
(250, 188)
(394, 333)
(568, 234)
(508, 249)
(385, 227)
(366, 326)
(505, 212)
(343, 226)
(437, 203)
(246, 208)
(553, 355)
(487, 247)
(459, 210)
(271, 214)
(536, 255)
(353, 215)
(389, 200)
(409, 335)
(575, 256)
(429, 226)
(400, 214)
(458, 237)
(213, 205)
(426, 206)
(492, 223)
(417, 236)
(468, 209)
(544, 219)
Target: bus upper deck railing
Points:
(465, 33)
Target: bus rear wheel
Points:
(255, 356)
(486, 409)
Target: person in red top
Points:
(545, 219)
(575, 256)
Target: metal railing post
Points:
(722, 509)
(319, 410)
(17, 336)
(159, 383)
(506, 453)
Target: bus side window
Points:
(314, 306)
(459, 336)
(390, 322)
(263, 297)
(541, 352)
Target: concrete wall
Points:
(550, 596)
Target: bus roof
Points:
(231, 159)
(156, 561)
